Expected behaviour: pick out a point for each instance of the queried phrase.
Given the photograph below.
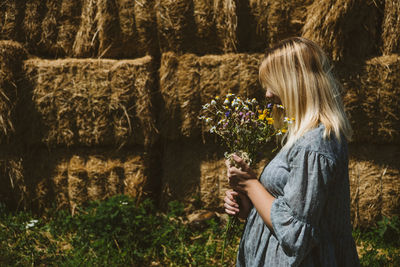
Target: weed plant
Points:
(117, 232)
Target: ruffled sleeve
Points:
(295, 216)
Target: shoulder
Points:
(315, 144)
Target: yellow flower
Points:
(217, 97)
(265, 111)
(284, 130)
(260, 111)
(270, 120)
(261, 117)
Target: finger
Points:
(231, 194)
(230, 202)
(230, 208)
(233, 171)
(240, 162)
(230, 212)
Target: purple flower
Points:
(227, 113)
(225, 125)
(269, 105)
(241, 113)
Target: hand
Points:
(239, 177)
(232, 207)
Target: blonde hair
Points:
(299, 73)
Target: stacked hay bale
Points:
(11, 15)
(67, 25)
(12, 188)
(391, 27)
(93, 107)
(35, 11)
(372, 101)
(81, 28)
(198, 26)
(374, 180)
(346, 29)
(98, 31)
(69, 178)
(11, 56)
(92, 102)
(272, 21)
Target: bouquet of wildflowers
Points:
(244, 126)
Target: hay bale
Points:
(188, 81)
(174, 24)
(133, 83)
(108, 28)
(50, 27)
(198, 26)
(115, 29)
(129, 35)
(272, 21)
(98, 173)
(11, 14)
(372, 101)
(206, 30)
(374, 182)
(13, 190)
(35, 10)
(114, 183)
(86, 41)
(226, 19)
(91, 102)
(68, 178)
(346, 29)
(146, 26)
(391, 27)
(69, 21)
(77, 181)
(11, 56)
(60, 184)
(136, 177)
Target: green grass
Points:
(379, 246)
(117, 232)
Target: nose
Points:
(268, 94)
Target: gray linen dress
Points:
(311, 213)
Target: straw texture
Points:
(91, 102)
(372, 100)
(346, 29)
(11, 56)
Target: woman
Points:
(298, 212)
